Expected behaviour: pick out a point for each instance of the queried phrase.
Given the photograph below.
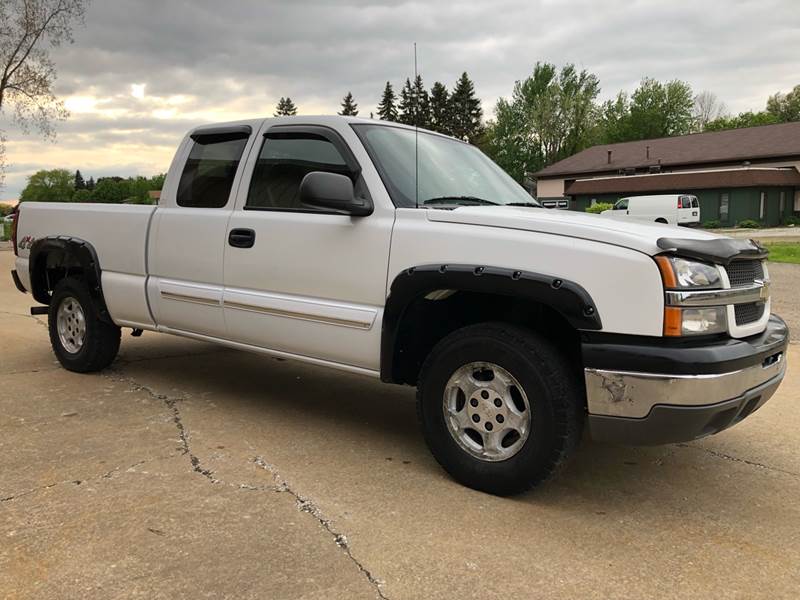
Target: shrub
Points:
(749, 224)
(599, 207)
(791, 220)
(5, 231)
(713, 224)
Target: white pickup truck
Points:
(409, 256)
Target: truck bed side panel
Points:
(118, 233)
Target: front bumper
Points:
(672, 392)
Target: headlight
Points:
(684, 273)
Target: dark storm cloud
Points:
(236, 58)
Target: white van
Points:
(675, 209)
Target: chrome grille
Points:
(744, 272)
(748, 313)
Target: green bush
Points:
(599, 207)
(749, 224)
(791, 220)
(6, 231)
(713, 224)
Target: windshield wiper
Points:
(533, 204)
(475, 201)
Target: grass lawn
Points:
(785, 253)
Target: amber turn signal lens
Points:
(672, 321)
(667, 274)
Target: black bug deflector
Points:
(719, 251)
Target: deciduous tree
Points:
(785, 107)
(29, 30)
(55, 185)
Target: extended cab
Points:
(375, 249)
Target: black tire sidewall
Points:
(82, 360)
(534, 460)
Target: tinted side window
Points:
(208, 175)
(621, 205)
(284, 160)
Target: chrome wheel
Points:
(487, 412)
(71, 325)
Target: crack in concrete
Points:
(107, 475)
(732, 458)
(303, 504)
(308, 506)
(27, 316)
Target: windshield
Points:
(450, 172)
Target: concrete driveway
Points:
(189, 471)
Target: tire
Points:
(661, 220)
(98, 345)
(554, 400)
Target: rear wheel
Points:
(80, 340)
(499, 408)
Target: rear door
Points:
(188, 235)
(688, 209)
(313, 283)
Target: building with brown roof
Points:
(751, 173)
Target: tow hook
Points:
(136, 333)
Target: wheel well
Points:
(54, 259)
(431, 317)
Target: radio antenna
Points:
(416, 131)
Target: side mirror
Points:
(332, 192)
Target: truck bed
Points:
(118, 233)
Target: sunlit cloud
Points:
(137, 90)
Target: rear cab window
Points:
(211, 167)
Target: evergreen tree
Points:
(90, 184)
(387, 109)
(440, 108)
(80, 184)
(423, 103)
(405, 107)
(349, 107)
(466, 112)
(285, 108)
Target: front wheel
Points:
(499, 408)
(81, 341)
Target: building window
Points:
(762, 205)
(783, 203)
(724, 205)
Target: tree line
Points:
(457, 112)
(554, 113)
(60, 185)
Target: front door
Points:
(313, 282)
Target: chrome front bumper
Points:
(673, 393)
(633, 395)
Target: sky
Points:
(142, 72)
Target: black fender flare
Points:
(566, 297)
(82, 252)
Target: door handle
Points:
(242, 238)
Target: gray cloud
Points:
(238, 57)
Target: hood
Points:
(629, 234)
